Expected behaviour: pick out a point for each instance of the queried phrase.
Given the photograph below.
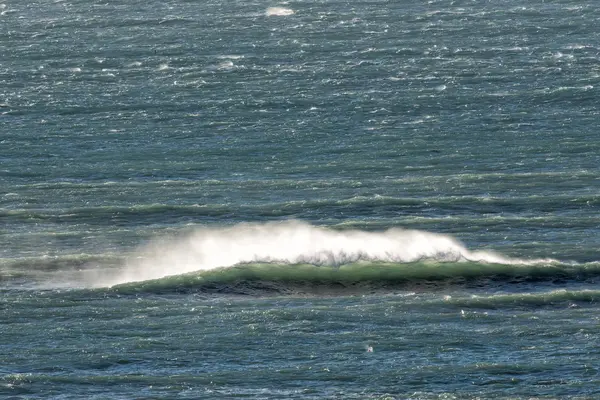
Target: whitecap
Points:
(294, 242)
(278, 11)
(226, 65)
(230, 57)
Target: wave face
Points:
(295, 243)
(258, 279)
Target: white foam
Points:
(226, 65)
(293, 242)
(5, 12)
(278, 11)
(231, 57)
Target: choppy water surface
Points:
(309, 199)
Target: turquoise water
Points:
(307, 199)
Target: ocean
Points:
(312, 199)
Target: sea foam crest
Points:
(278, 11)
(293, 242)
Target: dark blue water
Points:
(243, 199)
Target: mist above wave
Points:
(291, 242)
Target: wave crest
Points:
(292, 243)
(278, 11)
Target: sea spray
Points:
(291, 242)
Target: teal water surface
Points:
(304, 199)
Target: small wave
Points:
(226, 65)
(278, 11)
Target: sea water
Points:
(303, 199)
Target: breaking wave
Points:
(284, 246)
(292, 257)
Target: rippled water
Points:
(242, 199)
